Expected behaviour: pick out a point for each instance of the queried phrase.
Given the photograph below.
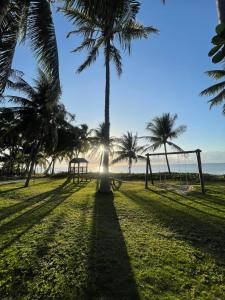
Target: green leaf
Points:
(219, 56)
(220, 28)
(214, 50)
(217, 40)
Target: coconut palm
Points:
(36, 112)
(98, 143)
(22, 20)
(129, 150)
(217, 89)
(163, 131)
(106, 24)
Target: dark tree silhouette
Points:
(106, 24)
(163, 131)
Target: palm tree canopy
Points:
(106, 24)
(163, 131)
(217, 89)
(37, 110)
(128, 148)
(98, 140)
(28, 19)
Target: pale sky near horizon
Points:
(163, 74)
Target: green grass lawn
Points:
(61, 241)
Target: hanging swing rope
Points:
(183, 153)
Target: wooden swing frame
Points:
(149, 167)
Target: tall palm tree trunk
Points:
(221, 10)
(105, 184)
(130, 165)
(167, 160)
(32, 163)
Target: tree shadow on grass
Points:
(202, 231)
(110, 272)
(44, 205)
(15, 208)
(204, 200)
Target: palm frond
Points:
(213, 89)
(43, 39)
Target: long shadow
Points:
(198, 230)
(14, 229)
(110, 272)
(186, 205)
(12, 209)
(10, 190)
(199, 199)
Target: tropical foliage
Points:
(22, 20)
(163, 131)
(129, 150)
(217, 90)
(106, 25)
(37, 125)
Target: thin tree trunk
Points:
(33, 159)
(129, 165)
(167, 161)
(221, 10)
(53, 165)
(49, 167)
(105, 183)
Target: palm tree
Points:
(106, 24)
(162, 131)
(98, 143)
(217, 89)
(22, 20)
(36, 112)
(128, 150)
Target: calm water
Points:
(210, 168)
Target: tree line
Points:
(104, 24)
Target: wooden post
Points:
(78, 173)
(73, 173)
(86, 171)
(150, 169)
(198, 154)
(146, 173)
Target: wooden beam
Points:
(173, 153)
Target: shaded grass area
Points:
(63, 241)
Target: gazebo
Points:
(78, 169)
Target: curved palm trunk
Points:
(167, 160)
(105, 183)
(49, 167)
(221, 10)
(32, 164)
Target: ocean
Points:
(209, 168)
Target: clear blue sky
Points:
(163, 74)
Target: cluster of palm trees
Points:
(162, 131)
(35, 126)
(104, 24)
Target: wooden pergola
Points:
(78, 169)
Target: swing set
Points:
(184, 153)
